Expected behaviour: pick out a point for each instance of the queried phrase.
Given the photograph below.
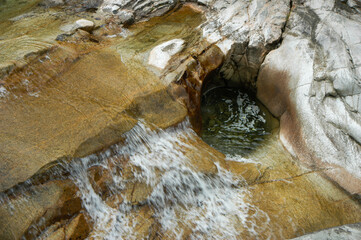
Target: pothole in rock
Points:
(233, 122)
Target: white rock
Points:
(84, 24)
(3, 92)
(161, 54)
(225, 45)
(319, 56)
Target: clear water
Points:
(232, 122)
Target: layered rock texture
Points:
(346, 232)
(88, 87)
(312, 82)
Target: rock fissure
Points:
(292, 177)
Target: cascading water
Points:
(209, 205)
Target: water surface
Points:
(233, 122)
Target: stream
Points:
(181, 198)
(97, 143)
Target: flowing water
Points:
(185, 202)
(155, 184)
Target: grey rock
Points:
(52, 3)
(142, 9)
(310, 79)
(125, 17)
(84, 4)
(255, 27)
(345, 232)
(319, 59)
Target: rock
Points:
(104, 130)
(78, 228)
(84, 24)
(245, 30)
(30, 35)
(125, 17)
(161, 54)
(142, 9)
(104, 124)
(51, 234)
(52, 3)
(79, 100)
(314, 90)
(35, 206)
(345, 232)
(101, 180)
(251, 29)
(193, 75)
(74, 4)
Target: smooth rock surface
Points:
(84, 24)
(83, 96)
(346, 232)
(65, 102)
(312, 83)
(245, 30)
(161, 54)
(95, 114)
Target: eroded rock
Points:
(161, 54)
(312, 83)
(87, 104)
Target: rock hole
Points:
(233, 121)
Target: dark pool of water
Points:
(232, 121)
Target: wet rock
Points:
(90, 97)
(161, 54)
(106, 128)
(32, 34)
(108, 121)
(101, 180)
(77, 228)
(77, 5)
(193, 75)
(38, 205)
(62, 37)
(53, 233)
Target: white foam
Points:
(3, 92)
(213, 206)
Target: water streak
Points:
(210, 205)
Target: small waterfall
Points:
(211, 205)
